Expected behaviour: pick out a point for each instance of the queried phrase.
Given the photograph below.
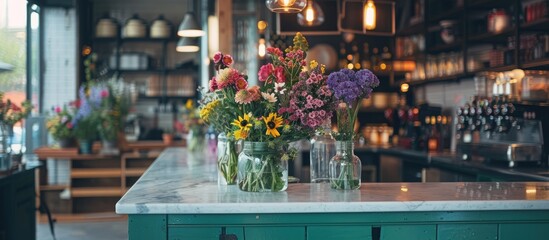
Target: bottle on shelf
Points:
(366, 62)
(386, 56)
(375, 59)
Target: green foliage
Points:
(13, 51)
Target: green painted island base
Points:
(462, 225)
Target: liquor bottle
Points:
(375, 59)
(386, 56)
(322, 150)
(366, 62)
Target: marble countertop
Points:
(178, 183)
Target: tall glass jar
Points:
(5, 148)
(262, 169)
(345, 167)
(227, 160)
(322, 151)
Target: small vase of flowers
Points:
(349, 88)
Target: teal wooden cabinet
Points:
(466, 225)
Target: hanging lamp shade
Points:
(187, 44)
(286, 6)
(311, 16)
(189, 27)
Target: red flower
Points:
(279, 73)
(241, 83)
(274, 51)
(57, 109)
(104, 93)
(69, 124)
(227, 60)
(217, 57)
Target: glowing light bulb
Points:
(369, 16)
(286, 3)
(350, 66)
(261, 49)
(309, 14)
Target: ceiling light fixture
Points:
(286, 6)
(187, 44)
(311, 16)
(369, 16)
(189, 26)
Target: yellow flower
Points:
(240, 134)
(273, 122)
(313, 64)
(207, 110)
(243, 123)
(189, 104)
(322, 68)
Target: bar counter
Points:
(178, 198)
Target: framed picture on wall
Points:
(289, 24)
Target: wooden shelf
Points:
(450, 78)
(496, 69)
(53, 187)
(453, 13)
(134, 40)
(96, 192)
(96, 173)
(489, 4)
(135, 172)
(537, 25)
(489, 37)
(68, 153)
(538, 64)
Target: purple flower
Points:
(350, 86)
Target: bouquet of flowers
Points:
(349, 88)
(11, 113)
(85, 120)
(289, 105)
(60, 123)
(195, 126)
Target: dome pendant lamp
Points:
(286, 6)
(187, 44)
(189, 26)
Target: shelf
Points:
(489, 37)
(413, 29)
(496, 69)
(134, 40)
(537, 25)
(135, 172)
(489, 4)
(538, 64)
(454, 13)
(96, 173)
(97, 192)
(450, 78)
(53, 187)
(457, 45)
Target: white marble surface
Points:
(178, 183)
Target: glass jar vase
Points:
(262, 169)
(227, 160)
(345, 167)
(322, 151)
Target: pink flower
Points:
(226, 77)
(104, 93)
(322, 113)
(227, 60)
(213, 84)
(279, 73)
(309, 98)
(57, 109)
(254, 93)
(69, 125)
(312, 114)
(308, 105)
(217, 57)
(242, 97)
(265, 71)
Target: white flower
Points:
(269, 97)
(279, 88)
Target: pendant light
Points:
(189, 26)
(311, 16)
(369, 16)
(286, 6)
(187, 44)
